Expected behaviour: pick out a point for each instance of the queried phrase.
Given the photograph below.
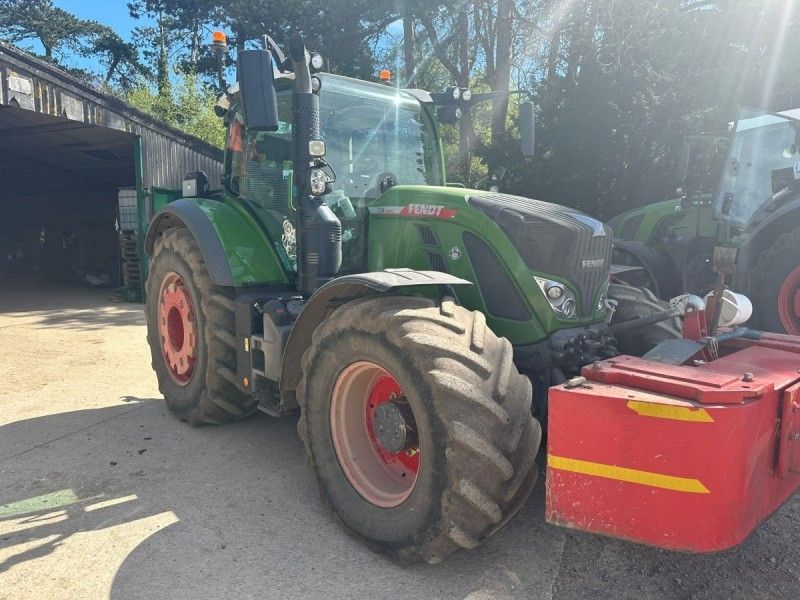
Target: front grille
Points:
(554, 240)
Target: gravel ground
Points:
(104, 494)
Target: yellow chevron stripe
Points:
(658, 480)
(670, 411)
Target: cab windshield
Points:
(763, 160)
(373, 134)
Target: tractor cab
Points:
(764, 160)
(375, 137)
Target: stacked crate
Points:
(129, 241)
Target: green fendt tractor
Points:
(336, 273)
(753, 204)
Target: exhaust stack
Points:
(319, 248)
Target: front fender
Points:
(347, 287)
(235, 248)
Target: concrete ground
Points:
(104, 494)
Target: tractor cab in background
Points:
(762, 165)
(754, 207)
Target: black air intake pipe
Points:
(319, 231)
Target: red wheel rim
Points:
(789, 303)
(382, 478)
(177, 327)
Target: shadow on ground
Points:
(164, 510)
(86, 309)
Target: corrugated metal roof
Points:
(34, 85)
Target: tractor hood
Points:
(554, 240)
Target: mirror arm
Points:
(277, 54)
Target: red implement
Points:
(685, 458)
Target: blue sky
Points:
(113, 13)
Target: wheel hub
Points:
(392, 423)
(374, 434)
(177, 327)
(789, 302)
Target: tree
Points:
(39, 20)
(189, 107)
(121, 59)
(157, 39)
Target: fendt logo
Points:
(427, 210)
(436, 211)
(593, 263)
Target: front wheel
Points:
(656, 273)
(775, 286)
(417, 424)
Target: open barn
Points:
(81, 174)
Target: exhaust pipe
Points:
(319, 231)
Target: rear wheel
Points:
(775, 286)
(634, 303)
(191, 333)
(417, 424)
(656, 273)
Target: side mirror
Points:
(527, 128)
(448, 114)
(257, 90)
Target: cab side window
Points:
(260, 167)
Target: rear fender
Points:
(344, 289)
(235, 248)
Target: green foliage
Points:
(40, 20)
(120, 58)
(189, 107)
(618, 83)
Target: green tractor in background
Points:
(408, 321)
(740, 191)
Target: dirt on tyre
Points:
(775, 286)
(417, 425)
(191, 333)
(634, 303)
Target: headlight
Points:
(560, 298)
(317, 62)
(602, 303)
(456, 93)
(567, 308)
(554, 292)
(466, 95)
(319, 182)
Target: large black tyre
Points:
(774, 281)
(658, 273)
(477, 437)
(634, 303)
(210, 395)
